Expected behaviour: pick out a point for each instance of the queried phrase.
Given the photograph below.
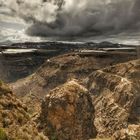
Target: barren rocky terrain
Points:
(115, 94)
(81, 94)
(58, 70)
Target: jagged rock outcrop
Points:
(115, 93)
(68, 113)
(15, 122)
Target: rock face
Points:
(116, 97)
(68, 113)
(15, 122)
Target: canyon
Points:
(70, 91)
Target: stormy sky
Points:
(117, 20)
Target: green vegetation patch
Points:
(3, 135)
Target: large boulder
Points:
(68, 113)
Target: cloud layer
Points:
(70, 18)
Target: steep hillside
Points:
(58, 70)
(15, 121)
(115, 93)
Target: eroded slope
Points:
(116, 94)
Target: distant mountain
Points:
(6, 42)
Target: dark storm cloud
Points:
(67, 18)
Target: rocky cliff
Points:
(115, 93)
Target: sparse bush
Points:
(1, 82)
(4, 88)
(54, 137)
(3, 135)
(20, 119)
